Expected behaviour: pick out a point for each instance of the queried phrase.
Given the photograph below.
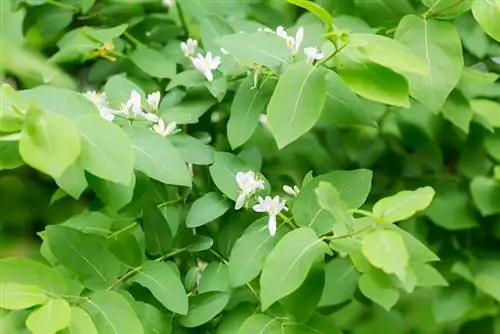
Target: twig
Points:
(182, 18)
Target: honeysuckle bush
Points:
(253, 166)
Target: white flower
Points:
(153, 118)
(206, 64)
(313, 54)
(101, 102)
(168, 3)
(133, 107)
(224, 51)
(281, 32)
(163, 130)
(291, 191)
(248, 185)
(189, 47)
(294, 43)
(154, 100)
(273, 207)
(263, 119)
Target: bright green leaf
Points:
(329, 200)
(386, 250)
(487, 13)
(486, 195)
(377, 287)
(260, 323)
(15, 296)
(446, 9)
(457, 110)
(114, 195)
(315, 9)
(81, 322)
(297, 102)
(339, 273)
(49, 142)
(153, 62)
(403, 205)
(50, 318)
(428, 276)
(11, 107)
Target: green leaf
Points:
(377, 287)
(85, 254)
(251, 250)
(450, 208)
(118, 89)
(316, 10)
(212, 28)
(302, 302)
(73, 180)
(289, 263)
(438, 44)
(296, 103)
(224, 170)
(114, 195)
(428, 276)
(234, 319)
(217, 87)
(417, 251)
(69, 103)
(342, 106)
(9, 155)
(50, 318)
(112, 314)
(446, 9)
(487, 111)
(11, 106)
(486, 195)
(373, 81)
(247, 105)
(49, 142)
(153, 320)
(452, 303)
(192, 150)
(200, 243)
(457, 110)
(188, 79)
(260, 323)
(329, 200)
(203, 308)
(157, 232)
(403, 205)
(388, 52)
(383, 12)
(206, 209)
(164, 284)
(156, 157)
(215, 277)
(353, 188)
(15, 296)
(106, 150)
(153, 62)
(259, 47)
(386, 250)
(492, 146)
(29, 272)
(487, 278)
(487, 13)
(187, 112)
(338, 273)
(81, 322)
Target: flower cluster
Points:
(205, 64)
(249, 184)
(293, 43)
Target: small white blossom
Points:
(189, 47)
(101, 102)
(263, 119)
(206, 64)
(248, 184)
(273, 207)
(281, 32)
(132, 107)
(154, 100)
(224, 51)
(168, 3)
(291, 191)
(153, 118)
(163, 129)
(294, 43)
(313, 54)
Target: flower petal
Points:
(240, 201)
(271, 225)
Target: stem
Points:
(176, 200)
(288, 220)
(336, 52)
(219, 256)
(126, 228)
(182, 18)
(132, 38)
(63, 5)
(135, 270)
(345, 236)
(363, 212)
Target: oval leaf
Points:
(403, 205)
(203, 308)
(50, 318)
(206, 209)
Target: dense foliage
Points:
(258, 166)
